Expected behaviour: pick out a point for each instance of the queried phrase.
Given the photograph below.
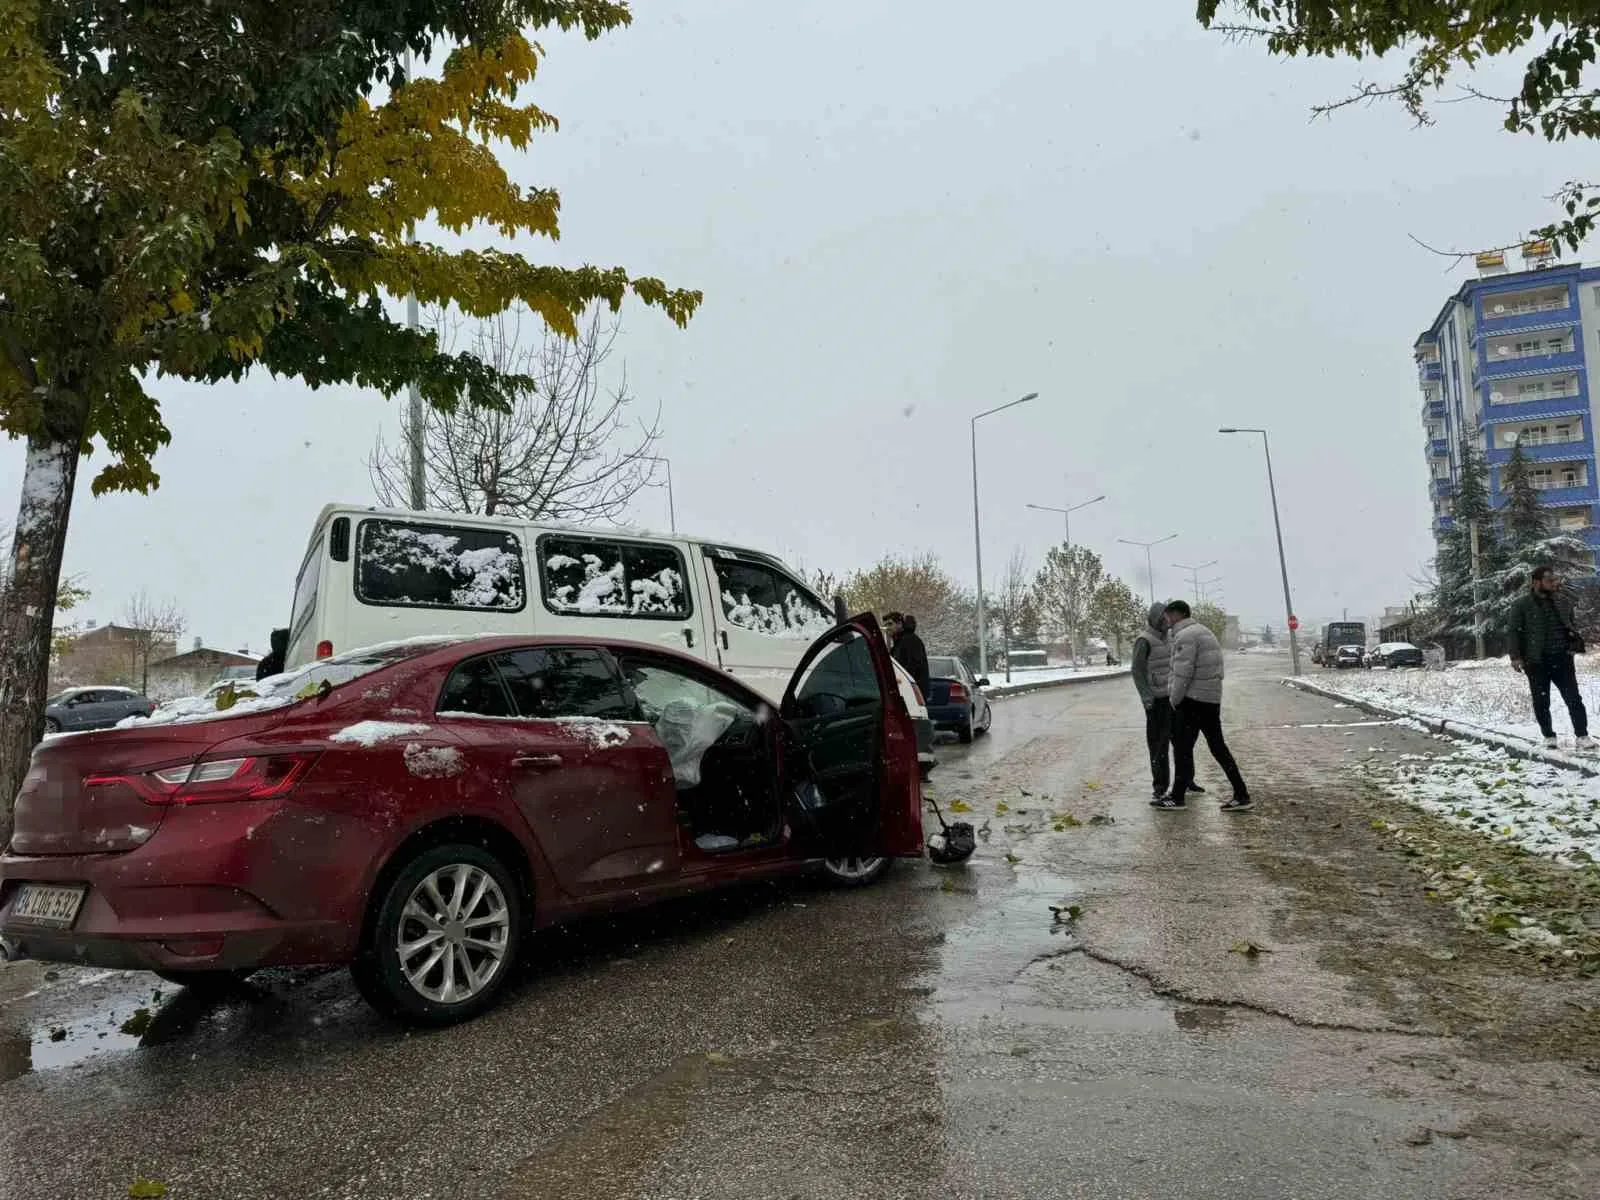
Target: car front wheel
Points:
(445, 937)
(854, 872)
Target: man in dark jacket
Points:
(911, 654)
(1543, 640)
(272, 664)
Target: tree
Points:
(1454, 603)
(556, 453)
(152, 625)
(1116, 613)
(1213, 618)
(1522, 521)
(1064, 589)
(1442, 39)
(1011, 599)
(919, 585)
(1526, 541)
(192, 193)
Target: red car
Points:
(414, 810)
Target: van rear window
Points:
(405, 564)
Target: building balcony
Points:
(1438, 448)
(1557, 495)
(1500, 366)
(1533, 409)
(1430, 372)
(1443, 524)
(1546, 450)
(1433, 410)
(1443, 488)
(1524, 311)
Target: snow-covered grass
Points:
(1027, 677)
(1538, 806)
(1488, 694)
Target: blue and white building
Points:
(1515, 357)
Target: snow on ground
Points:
(1026, 677)
(1488, 694)
(1541, 807)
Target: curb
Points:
(1005, 691)
(1462, 730)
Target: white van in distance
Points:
(377, 575)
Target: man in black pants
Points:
(1195, 690)
(1152, 669)
(1543, 640)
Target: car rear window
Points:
(945, 668)
(414, 565)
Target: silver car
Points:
(78, 709)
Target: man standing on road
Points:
(910, 653)
(1152, 668)
(1544, 638)
(1195, 693)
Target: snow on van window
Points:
(760, 598)
(439, 566)
(588, 577)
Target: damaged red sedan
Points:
(414, 810)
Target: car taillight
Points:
(324, 649)
(268, 777)
(917, 692)
(958, 694)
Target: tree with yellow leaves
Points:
(199, 190)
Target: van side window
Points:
(594, 578)
(402, 564)
(560, 682)
(305, 592)
(763, 600)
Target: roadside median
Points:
(1037, 681)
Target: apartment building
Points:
(1514, 356)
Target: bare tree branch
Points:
(565, 450)
(152, 625)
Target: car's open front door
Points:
(850, 760)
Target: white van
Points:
(375, 575)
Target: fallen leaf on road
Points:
(1092, 784)
(1012, 858)
(1067, 912)
(1102, 819)
(146, 1189)
(58, 1034)
(135, 1026)
(1248, 948)
(960, 806)
(1002, 807)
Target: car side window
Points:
(656, 686)
(840, 678)
(474, 688)
(546, 684)
(762, 599)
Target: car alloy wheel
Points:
(855, 871)
(445, 936)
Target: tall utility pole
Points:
(419, 416)
(1283, 562)
(977, 532)
(1066, 514)
(1194, 575)
(1477, 600)
(1149, 567)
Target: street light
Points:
(1283, 563)
(1205, 593)
(1194, 575)
(1148, 567)
(977, 530)
(672, 507)
(1066, 513)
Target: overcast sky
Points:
(899, 222)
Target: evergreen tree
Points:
(1527, 540)
(1522, 521)
(1454, 597)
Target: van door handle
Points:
(537, 762)
(688, 637)
(725, 639)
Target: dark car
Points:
(1347, 656)
(1397, 654)
(956, 703)
(78, 709)
(416, 810)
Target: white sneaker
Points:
(1586, 744)
(1551, 743)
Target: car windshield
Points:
(944, 668)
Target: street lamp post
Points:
(977, 530)
(672, 507)
(1194, 575)
(1283, 563)
(1149, 567)
(1066, 514)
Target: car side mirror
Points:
(983, 683)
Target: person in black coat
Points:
(272, 664)
(911, 654)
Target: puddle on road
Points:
(78, 1028)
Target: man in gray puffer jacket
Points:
(1195, 692)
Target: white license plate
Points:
(46, 904)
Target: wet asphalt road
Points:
(941, 1034)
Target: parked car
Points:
(82, 708)
(372, 575)
(416, 809)
(1396, 654)
(956, 702)
(1347, 656)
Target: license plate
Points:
(46, 904)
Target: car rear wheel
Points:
(445, 937)
(965, 733)
(855, 872)
(207, 981)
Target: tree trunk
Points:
(38, 542)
